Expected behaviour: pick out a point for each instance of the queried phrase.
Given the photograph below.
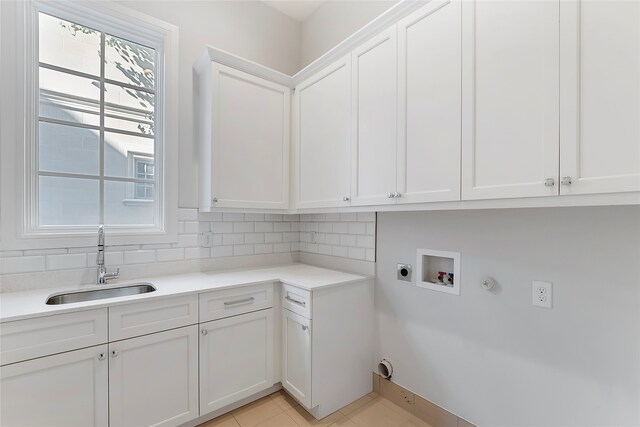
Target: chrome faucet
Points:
(103, 276)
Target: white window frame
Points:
(18, 171)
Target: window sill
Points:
(137, 202)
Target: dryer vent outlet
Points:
(385, 369)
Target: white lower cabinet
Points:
(153, 379)
(67, 390)
(296, 356)
(236, 358)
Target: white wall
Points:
(333, 22)
(249, 29)
(493, 358)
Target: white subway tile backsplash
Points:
(243, 227)
(243, 250)
(233, 239)
(253, 238)
(221, 251)
(222, 227)
(266, 248)
(232, 216)
(67, 261)
(22, 264)
(281, 226)
(264, 227)
(185, 214)
(142, 256)
(174, 254)
(350, 235)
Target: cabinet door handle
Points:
(101, 356)
(240, 301)
(114, 353)
(346, 198)
(214, 200)
(566, 180)
(390, 195)
(204, 332)
(295, 301)
(397, 195)
(305, 327)
(549, 182)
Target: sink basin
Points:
(70, 297)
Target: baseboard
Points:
(427, 411)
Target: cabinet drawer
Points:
(296, 300)
(231, 302)
(31, 338)
(131, 320)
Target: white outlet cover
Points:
(541, 294)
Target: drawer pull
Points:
(101, 356)
(305, 327)
(240, 301)
(295, 301)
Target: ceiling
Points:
(296, 9)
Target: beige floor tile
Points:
(433, 414)
(283, 400)
(257, 412)
(376, 414)
(398, 395)
(355, 405)
(304, 419)
(415, 422)
(282, 420)
(344, 422)
(399, 409)
(222, 421)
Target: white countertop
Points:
(28, 304)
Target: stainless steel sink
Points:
(123, 291)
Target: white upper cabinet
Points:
(429, 106)
(244, 134)
(510, 99)
(600, 96)
(373, 152)
(322, 132)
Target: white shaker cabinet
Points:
(429, 104)
(153, 379)
(600, 96)
(373, 142)
(322, 132)
(510, 93)
(236, 358)
(243, 126)
(296, 356)
(64, 390)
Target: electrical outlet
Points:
(206, 239)
(542, 294)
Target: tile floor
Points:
(280, 410)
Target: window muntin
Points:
(97, 95)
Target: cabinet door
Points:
(250, 141)
(429, 105)
(296, 356)
(510, 99)
(600, 98)
(373, 144)
(236, 358)
(66, 390)
(153, 379)
(323, 132)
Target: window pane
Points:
(121, 151)
(122, 207)
(69, 45)
(129, 62)
(69, 149)
(128, 109)
(68, 97)
(68, 201)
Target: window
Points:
(97, 83)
